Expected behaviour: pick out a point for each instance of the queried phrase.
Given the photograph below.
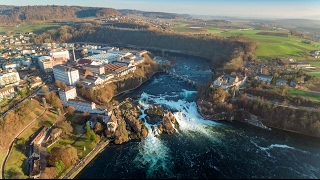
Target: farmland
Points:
(271, 44)
(29, 28)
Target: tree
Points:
(69, 156)
(71, 110)
(45, 89)
(59, 166)
(60, 84)
(49, 173)
(54, 156)
(98, 128)
(65, 126)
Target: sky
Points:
(240, 8)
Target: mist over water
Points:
(203, 148)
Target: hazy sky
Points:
(252, 8)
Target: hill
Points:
(153, 15)
(17, 14)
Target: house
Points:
(226, 81)
(92, 121)
(316, 54)
(265, 78)
(7, 92)
(34, 81)
(286, 61)
(112, 123)
(66, 74)
(40, 136)
(281, 82)
(9, 78)
(11, 65)
(295, 84)
(94, 80)
(69, 97)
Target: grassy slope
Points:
(17, 158)
(307, 95)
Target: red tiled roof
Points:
(115, 67)
(85, 61)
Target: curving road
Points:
(9, 110)
(9, 150)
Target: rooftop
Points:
(64, 68)
(67, 88)
(114, 67)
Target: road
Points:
(9, 150)
(22, 101)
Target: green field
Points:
(271, 44)
(304, 94)
(181, 25)
(29, 28)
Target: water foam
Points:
(153, 153)
(283, 146)
(186, 94)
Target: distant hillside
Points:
(16, 14)
(153, 14)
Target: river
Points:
(202, 148)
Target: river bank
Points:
(85, 161)
(73, 172)
(128, 90)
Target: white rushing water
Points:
(153, 153)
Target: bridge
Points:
(175, 75)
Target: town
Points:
(30, 71)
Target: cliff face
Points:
(130, 114)
(163, 121)
(169, 123)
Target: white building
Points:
(227, 81)
(9, 78)
(265, 78)
(9, 66)
(67, 93)
(7, 92)
(60, 54)
(66, 74)
(45, 63)
(28, 51)
(68, 97)
(26, 61)
(110, 56)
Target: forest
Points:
(18, 14)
